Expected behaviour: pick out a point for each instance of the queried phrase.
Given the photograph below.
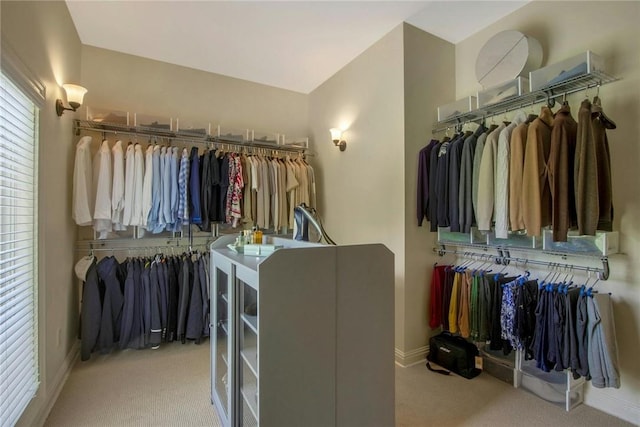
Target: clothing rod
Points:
(525, 100)
(504, 258)
(139, 248)
(215, 141)
(142, 243)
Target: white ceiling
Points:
(294, 45)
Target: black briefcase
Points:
(453, 353)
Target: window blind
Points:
(19, 376)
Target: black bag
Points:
(453, 353)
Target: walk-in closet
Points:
(306, 213)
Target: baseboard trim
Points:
(412, 357)
(603, 401)
(58, 383)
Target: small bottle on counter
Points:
(257, 236)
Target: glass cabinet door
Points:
(248, 350)
(221, 341)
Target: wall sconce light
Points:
(336, 136)
(75, 94)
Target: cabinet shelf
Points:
(549, 93)
(252, 321)
(250, 397)
(225, 327)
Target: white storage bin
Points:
(457, 108)
(556, 387)
(604, 243)
(265, 137)
(302, 142)
(233, 135)
(192, 127)
(515, 240)
(571, 68)
(503, 92)
(107, 116)
(447, 236)
(158, 123)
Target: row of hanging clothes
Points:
(143, 302)
(529, 173)
(554, 321)
(162, 188)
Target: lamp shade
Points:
(336, 134)
(75, 94)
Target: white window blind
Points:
(19, 376)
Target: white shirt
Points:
(138, 177)
(128, 186)
(102, 183)
(82, 198)
(146, 186)
(117, 191)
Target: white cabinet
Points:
(303, 337)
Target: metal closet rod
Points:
(218, 142)
(529, 99)
(504, 258)
(140, 248)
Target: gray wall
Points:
(361, 197)
(428, 82)
(45, 38)
(131, 83)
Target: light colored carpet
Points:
(170, 387)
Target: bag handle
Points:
(439, 371)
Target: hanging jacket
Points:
(91, 313)
(603, 160)
(112, 302)
(561, 174)
(195, 315)
(536, 194)
(128, 307)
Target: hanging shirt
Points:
(234, 193)
(183, 179)
(156, 192)
(117, 190)
(246, 196)
(173, 166)
(138, 178)
(102, 178)
(284, 202)
(146, 186)
(128, 185)
(194, 187)
(166, 189)
(83, 194)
